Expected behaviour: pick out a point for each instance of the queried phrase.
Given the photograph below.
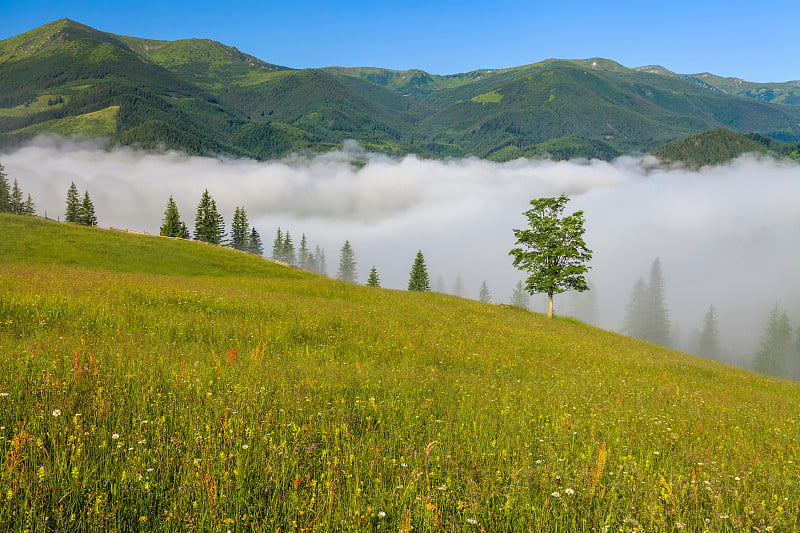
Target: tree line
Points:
(12, 198)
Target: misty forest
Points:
(237, 296)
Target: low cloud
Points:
(726, 235)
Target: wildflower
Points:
(555, 495)
(471, 521)
(245, 446)
(57, 413)
(680, 525)
(115, 436)
(381, 514)
(3, 394)
(569, 492)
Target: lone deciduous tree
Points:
(552, 250)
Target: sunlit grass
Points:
(260, 398)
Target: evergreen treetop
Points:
(172, 225)
(16, 201)
(240, 230)
(209, 225)
(5, 192)
(73, 204)
(484, 295)
(373, 280)
(347, 264)
(256, 246)
(86, 214)
(418, 278)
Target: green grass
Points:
(90, 125)
(154, 384)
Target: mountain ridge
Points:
(202, 96)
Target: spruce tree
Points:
(304, 254)
(520, 296)
(5, 192)
(458, 287)
(775, 355)
(289, 255)
(657, 326)
(320, 267)
(29, 208)
(709, 338)
(439, 287)
(172, 225)
(16, 199)
(209, 226)
(347, 264)
(635, 312)
(256, 246)
(418, 279)
(240, 230)
(86, 214)
(73, 204)
(483, 294)
(373, 280)
(277, 246)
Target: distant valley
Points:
(202, 97)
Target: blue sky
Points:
(757, 41)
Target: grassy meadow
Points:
(156, 384)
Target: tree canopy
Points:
(552, 250)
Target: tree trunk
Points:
(550, 305)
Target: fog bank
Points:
(726, 235)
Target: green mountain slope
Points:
(721, 145)
(201, 96)
(181, 383)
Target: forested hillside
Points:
(201, 96)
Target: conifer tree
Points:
(347, 264)
(709, 338)
(209, 225)
(484, 295)
(256, 246)
(520, 296)
(28, 208)
(240, 230)
(304, 255)
(775, 355)
(458, 287)
(5, 192)
(439, 287)
(657, 325)
(373, 280)
(636, 311)
(320, 267)
(418, 279)
(646, 315)
(86, 214)
(277, 246)
(288, 252)
(73, 204)
(172, 225)
(16, 199)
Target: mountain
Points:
(201, 96)
(721, 145)
(180, 383)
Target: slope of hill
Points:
(721, 145)
(154, 384)
(201, 96)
